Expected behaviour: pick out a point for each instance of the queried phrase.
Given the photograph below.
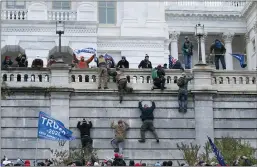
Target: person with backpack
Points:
(182, 83)
(187, 50)
(219, 50)
(159, 80)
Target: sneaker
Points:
(99, 87)
(157, 141)
(141, 141)
(106, 88)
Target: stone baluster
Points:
(174, 36)
(228, 37)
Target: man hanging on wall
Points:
(147, 118)
(84, 129)
(121, 81)
(183, 92)
(120, 135)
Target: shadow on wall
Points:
(66, 51)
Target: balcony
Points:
(205, 5)
(140, 79)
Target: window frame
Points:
(61, 7)
(15, 6)
(106, 8)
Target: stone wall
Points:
(221, 103)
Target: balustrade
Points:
(14, 14)
(139, 79)
(62, 15)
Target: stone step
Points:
(105, 133)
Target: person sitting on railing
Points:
(37, 63)
(82, 63)
(174, 63)
(22, 60)
(219, 51)
(121, 81)
(123, 63)
(7, 62)
(51, 61)
(145, 63)
(159, 80)
(183, 92)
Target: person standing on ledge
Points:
(103, 74)
(147, 118)
(183, 92)
(145, 63)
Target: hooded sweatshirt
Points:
(123, 63)
(7, 61)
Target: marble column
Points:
(174, 36)
(248, 51)
(203, 39)
(228, 37)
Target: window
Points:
(62, 5)
(18, 4)
(107, 12)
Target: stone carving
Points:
(228, 36)
(247, 37)
(37, 29)
(174, 36)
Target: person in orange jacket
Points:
(82, 63)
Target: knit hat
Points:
(116, 155)
(137, 164)
(120, 122)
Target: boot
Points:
(141, 141)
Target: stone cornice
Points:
(247, 8)
(203, 16)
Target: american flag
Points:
(217, 153)
(172, 61)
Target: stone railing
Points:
(14, 14)
(139, 79)
(206, 5)
(62, 15)
(26, 77)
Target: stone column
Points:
(203, 104)
(60, 94)
(174, 36)
(203, 39)
(254, 65)
(248, 51)
(228, 37)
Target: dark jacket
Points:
(122, 63)
(147, 113)
(187, 48)
(37, 63)
(84, 128)
(119, 162)
(145, 64)
(218, 49)
(5, 63)
(186, 80)
(22, 61)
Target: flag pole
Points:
(36, 152)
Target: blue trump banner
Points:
(52, 129)
(217, 153)
(84, 50)
(241, 59)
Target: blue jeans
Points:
(118, 144)
(187, 61)
(182, 100)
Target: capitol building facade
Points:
(131, 29)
